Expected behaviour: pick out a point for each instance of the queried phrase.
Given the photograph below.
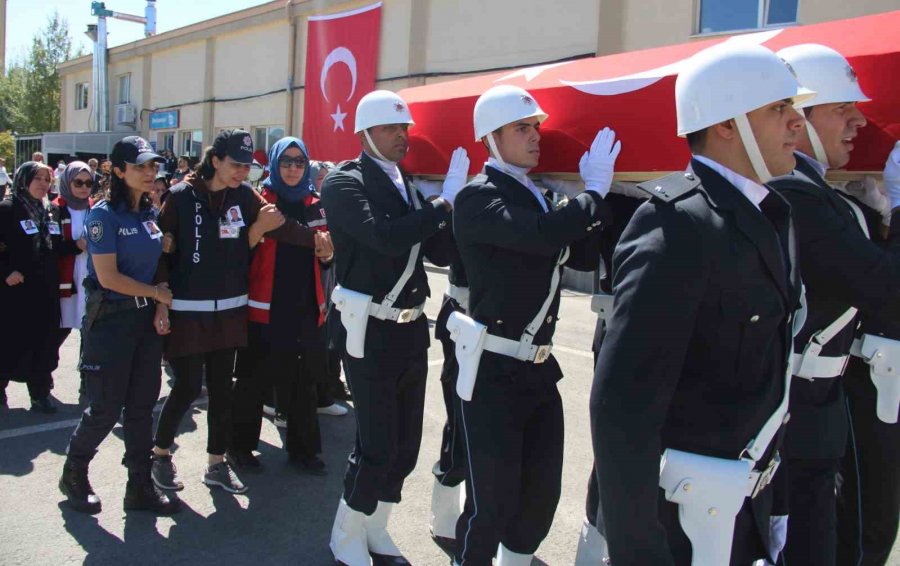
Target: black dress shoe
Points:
(446, 544)
(385, 560)
(44, 405)
(75, 486)
(245, 461)
(312, 465)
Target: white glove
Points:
(456, 175)
(892, 176)
(562, 186)
(428, 188)
(597, 164)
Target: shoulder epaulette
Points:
(349, 165)
(671, 187)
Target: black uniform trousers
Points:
(389, 397)
(120, 365)
(513, 428)
(188, 372)
(811, 491)
(871, 477)
(300, 368)
(451, 467)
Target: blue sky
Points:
(25, 17)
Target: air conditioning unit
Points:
(126, 114)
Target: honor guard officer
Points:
(691, 383)
(513, 246)
(843, 271)
(381, 229)
(121, 346)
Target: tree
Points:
(8, 150)
(49, 48)
(12, 94)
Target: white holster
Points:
(602, 304)
(882, 355)
(709, 493)
(354, 309)
(469, 337)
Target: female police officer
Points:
(121, 348)
(214, 219)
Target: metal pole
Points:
(102, 88)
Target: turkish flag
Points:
(341, 56)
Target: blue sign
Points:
(167, 120)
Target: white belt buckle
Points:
(542, 353)
(141, 302)
(766, 476)
(405, 315)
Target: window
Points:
(735, 15)
(192, 143)
(124, 89)
(165, 140)
(81, 96)
(265, 137)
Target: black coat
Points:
(29, 333)
(694, 357)
(841, 268)
(509, 247)
(373, 230)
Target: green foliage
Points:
(30, 92)
(8, 149)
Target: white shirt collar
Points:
(391, 169)
(520, 175)
(753, 191)
(820, 167)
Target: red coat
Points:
(262, 268)
(66, 261)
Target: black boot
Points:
(75, 486)
(142, 495)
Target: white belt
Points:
(760, 479)
(459, 294)
(209, 305)
(818, 367)
(516, 349)
(400, 316)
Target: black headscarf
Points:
(36, 209)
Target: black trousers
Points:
(259, 366)
(812, 521)
(120, 365)
(514, 439)
(188, 372)
(871, 477)
(389, 397)
(451, 469)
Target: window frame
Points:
(119, 81)
(267, 132)
(82, 96)
(762, 15)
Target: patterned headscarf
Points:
(65, 179)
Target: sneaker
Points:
(245, 461)
(268, 410)
(44, 405)
(334, 410)
(312, 465)
(223, 475)
(142, 495)
(280, 420)
(164, 474)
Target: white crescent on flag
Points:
(345, 56)
(643, 79)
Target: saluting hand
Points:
(892, 176)
(15, 278)
(597, 164)
(324, 247)
(456, 175)
(269, 218)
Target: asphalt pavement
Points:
(285, 517)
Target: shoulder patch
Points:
(671, 187)
(95, 231)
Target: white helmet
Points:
(727, 82)
(379, 108)
(828, 73)
(502, 105)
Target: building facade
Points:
(246, 69)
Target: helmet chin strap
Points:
(374, 147)
(756, 159)
(495, 153)
(817, 146)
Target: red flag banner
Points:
(341, 60)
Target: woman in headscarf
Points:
(29, 286)
(286, 311)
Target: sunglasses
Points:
(297, 162)
(78, 183)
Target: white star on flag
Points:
(338, 118)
